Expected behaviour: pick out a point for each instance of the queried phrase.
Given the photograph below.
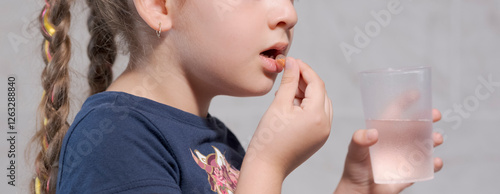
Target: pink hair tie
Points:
(52, 96)
(48, 182)
(48, 28)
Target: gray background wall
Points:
(460, 39)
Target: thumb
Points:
(361, 141)
(289, 82)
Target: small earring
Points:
(158, 32)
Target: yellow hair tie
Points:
(45, 121)
(48, 26)
(37, 186)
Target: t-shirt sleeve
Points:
(116, 150)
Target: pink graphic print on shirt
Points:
(221, 175)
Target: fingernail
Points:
(371, 133)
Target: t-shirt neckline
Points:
(155, 107)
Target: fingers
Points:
(289, 83)
(436, 115)
(400, 104)
(299, 93)
(302, 88)
(438, 139)
(361, 140)
(314, 92)
(438, 164)
(306, 86)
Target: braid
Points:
(101, 50)
(108, 20)
(54, 108)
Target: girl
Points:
(149, 131)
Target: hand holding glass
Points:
(397, 102)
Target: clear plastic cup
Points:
(397, 102)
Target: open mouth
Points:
(271, 53)
(273, 57)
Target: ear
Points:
(154, 12)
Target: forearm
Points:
(257, 176)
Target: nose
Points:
(282, 14)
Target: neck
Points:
(163, 83)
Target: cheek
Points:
(232, 41)
(232, 30)
(223, 51)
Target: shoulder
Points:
(109, 126)
(110, 116)
(114, 146)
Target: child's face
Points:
(220, 43)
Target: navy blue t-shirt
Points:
(121, 143)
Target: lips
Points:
(274, 50)
(269, 57)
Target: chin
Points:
(262, 91)
(264, 86)
(254, 89)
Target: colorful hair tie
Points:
(52, 98)
(48, 182)
(45, 121)
(37, 185)
(49, 30)
(45, 143)
(48, 27)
